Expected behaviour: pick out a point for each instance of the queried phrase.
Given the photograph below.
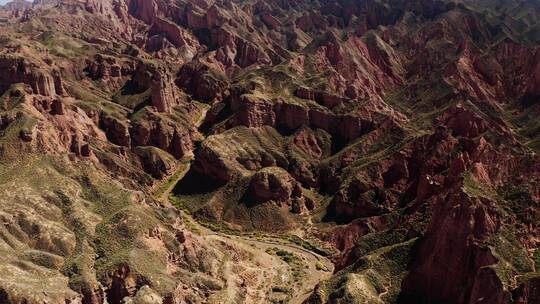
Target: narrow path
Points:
(313, 274)
(382, 294)
(318, 268)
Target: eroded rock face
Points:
(155, 162)
(18, 70)
(452, 261)
(357, 200)
(106, 70)
(103, 68)
(145, 10)
(464, 123)
(326, 99)
(202, 82)
(164, 93)
(292, 116)
(174, 139)
(400, 136)
(254, 112)
(176, 36)
(211, 164)
(123, 283)
(273, 184)
(117, 131)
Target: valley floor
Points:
(306, 268)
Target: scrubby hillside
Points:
(272, 151)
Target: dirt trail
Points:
(312, 275)
(384, 293)
(317, 268)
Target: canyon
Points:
(269, 151)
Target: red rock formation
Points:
(393, 114)
(17, 70)
(310, 22)
(203, 83)
(428, 186)
(452, 258)
(145, 10)
(211, 164)
(117, 131)
(175, 139)
(242, 52)
(57, 107)
(197, 19)
(176, 35)
(291, 116)
(94, 6)
(58, 84)
(154, 162)
(326, 99)
(103, 68)
(358, 200)
(273, 184)
(270, 21)
(276, 185)
(344, 238)
(122, 283)
(164, 92)
(253, 111)
(534, 87)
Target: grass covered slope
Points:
(269, 151)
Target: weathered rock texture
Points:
(399, 138)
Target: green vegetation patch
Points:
(378, 274)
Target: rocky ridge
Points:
(401, 136)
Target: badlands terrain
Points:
(270, 151)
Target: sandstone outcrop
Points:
(176, 35)
(253, 112)
(117, 131)
(18, 70)
(464, 268)
(323, 98)
(358, 200)
(203, 83)
(273, 184)
(397, 138)
(103, 68)
(144, 10)
(164, 93)
(155, 162)
(177, 139)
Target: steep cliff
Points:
(226, 151)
